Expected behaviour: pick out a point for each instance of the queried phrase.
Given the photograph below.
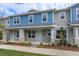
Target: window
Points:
(77, 13)
(17, 34)
(49, 32)
(31, 34)
(16, 20)
(30, 19)
(62, 15)
(58, 34)
(44, 17)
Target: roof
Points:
(35, 11)
(30, 13)
(60, 10)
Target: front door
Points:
(46, 35)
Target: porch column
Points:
(76, 33)
(21, 35)
(67, 33)
(52, 35)
(4, 35)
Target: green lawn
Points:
(5, 52)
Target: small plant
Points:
(69, 44)
(48, 44)
(52, 44)
(28, 44)
(40, 45)
(75, 45)
(62, 42)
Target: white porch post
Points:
(52, 35)
(67, 34)
(76, 33)
(21, 35)
(4, 35)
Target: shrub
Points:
(28, 44)
(69, 44)
(52, 44)
(62, 42)
(75, 45)
(40, 45)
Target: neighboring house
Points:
(43, 26)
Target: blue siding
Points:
(37, 20)
(74, 14)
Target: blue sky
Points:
(8, 9)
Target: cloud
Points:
(7, 9)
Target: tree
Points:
(1, 26)
(62, 40)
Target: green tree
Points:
(62, 40)
(1, 27)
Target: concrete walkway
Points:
(41, 50)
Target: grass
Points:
(6, 52)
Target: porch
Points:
(45, 35)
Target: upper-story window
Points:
(30, 19)
(62, 15)
(44, 17)
(77, 13)
(16, 20)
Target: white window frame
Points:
(31, 34)
(61, 15)
(46, 17)
(32, 19)
(16, 21)
(77, 13)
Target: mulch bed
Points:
(70, 48)
(17, 44)
(60, 47)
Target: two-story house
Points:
(43, 26)
(35, 26)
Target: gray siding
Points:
(61, 22)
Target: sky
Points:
(7, 9)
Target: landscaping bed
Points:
(70, 48)
(41, 45)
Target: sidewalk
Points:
(41, 50)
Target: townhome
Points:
(43, 26)
(35, 26)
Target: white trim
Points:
(77, 13)
(32, 19)
(30, 27)
(46, 17)
(71, 15)
(74, 24)
(60, 15)
(16, 20)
